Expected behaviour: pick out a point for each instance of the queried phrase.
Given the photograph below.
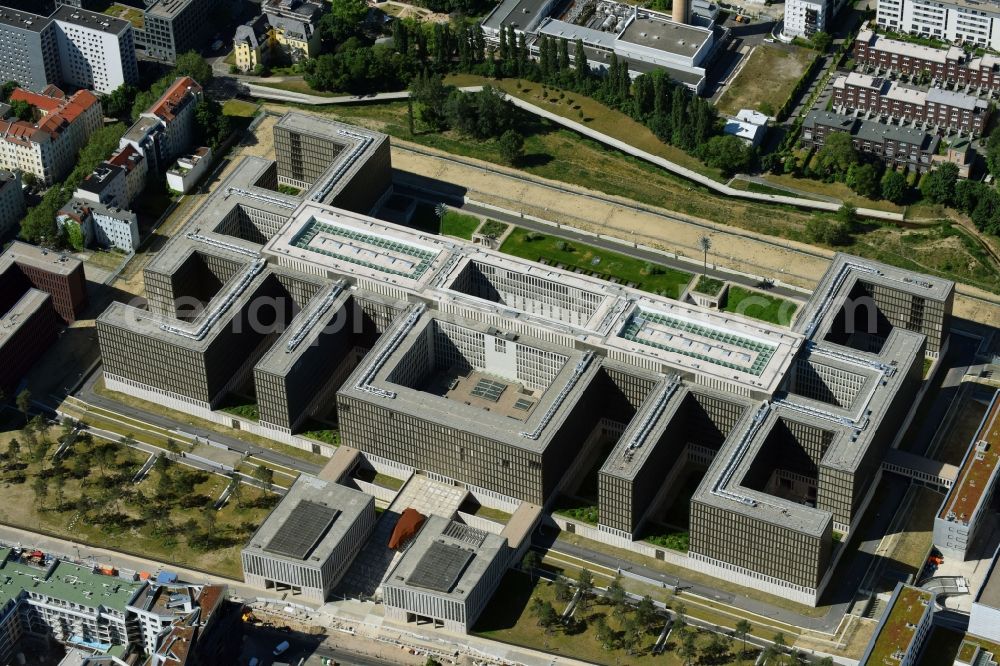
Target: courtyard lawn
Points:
(239, 108)
(758, 305)
(605, 264)
(766, 79)
(458, 224)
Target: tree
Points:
(993, 152)
(236, 488)
(22, 110)
(14, 449)
(585, 586)
(645, 611)
(119, 101)
(864, 179)
(563, 590)
(847, 215)
(603, 633)
(688, 649)
(631, 635)
(821, 230)
(265, 475)
(727, 153)
(529, 563)
(716, 649)
(780, 644)
(617, 597)
(40, 486)
(344, 20)
(740, 631)
(212, 125)
(511, 146)
(580, 65)
(894, 187)
(939, 185)
(705, 243)
(193, 65)
(826, 661)
(23, 402)
(837, 154)
(7, 90)
(821, 41)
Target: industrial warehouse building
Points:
(310, 538)
(511, 378)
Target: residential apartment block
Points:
(309, 539)
(804, 18)
(166, 130)
(24, 267)
(941, 65)
(101, 225)
(512, 378)
(252, 43)
(934, 109)
(12, 206)
(892, 144)
(72, 47)
(48, 148)
(173, 27)
(955, 21)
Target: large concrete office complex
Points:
(955, 21)
(446, 576)
(966, 507)
(513, 378)
(309, 539)
(72, 47)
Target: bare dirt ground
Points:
(403, 11)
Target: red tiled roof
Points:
(123, 157)
(58, 110)
(166, 107)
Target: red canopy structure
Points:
(406, 527)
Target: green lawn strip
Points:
(459, 225)
(834, 189)
(602, 263)
(248, 410)
(296, 86)
(181, 417)
(708, 286)
(387, 481)
(495, 515)
(758, 305)
(678, 540)
(239, 108)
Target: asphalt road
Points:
(87, 394)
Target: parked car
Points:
(280, 648)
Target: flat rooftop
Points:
(989, 593)
(514, 12)
(898, 625)
(919, 51)
(727, 346)
(446, 558)
(31, 255)
(978, 471)
(350, 244)
(309, 522)
(645, 429)
(66, 581)
(23, 20)
(91, 20)
(657, 33)
(169, 8)
(20, 313)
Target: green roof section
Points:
(420, 259)
(760, 353)
(67, 581)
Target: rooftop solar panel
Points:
(306, 525)
(523, 404)
(440, 567)
(488, 389)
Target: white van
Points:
(280, 648)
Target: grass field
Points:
(297, 85)
(239, 108)
(606, 264)
(758, 305)
(767, 78)
(565, 156)
(508, 618)
(835, 189)
(708, 286)
(459, 225)
(88, 496)
(594, 115)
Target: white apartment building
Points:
(72, 46)
(956, 21)
(48, 148)
(115, 227)
(803, 18)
